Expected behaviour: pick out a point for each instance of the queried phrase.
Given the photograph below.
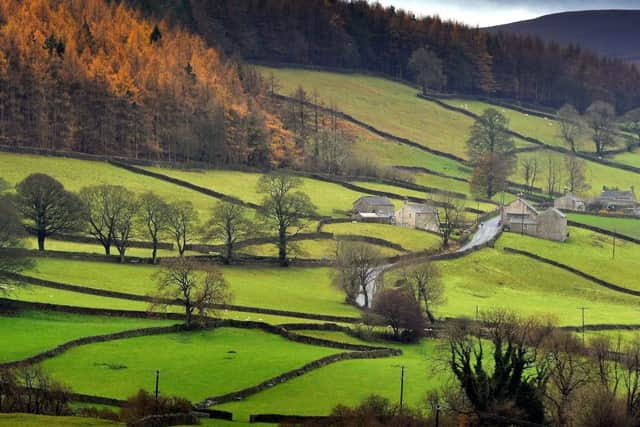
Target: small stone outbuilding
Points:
(614, 199)
(570, 202)
(418, 215)
(521, 217)
(374, 208)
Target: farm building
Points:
(418, 215)
(374, 207)
(521, 217)
(570, 202)
(614, 199)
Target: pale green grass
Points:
(631, 159)
(95, 248)
(312, 249)
(75, 174)
(330, 199)
(338, 337)
(194, 365)
(389, 106)
(491, 279)
(627, 226)
(349, 383)
(589, 252)
(410, 239)
(30, 332)
(390, 153)
(295, 289)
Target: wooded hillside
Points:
(96, 77)
(356, 34)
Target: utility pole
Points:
(157, 388)
(438, 415)
(477, 312)
(583, 310)
(401, 386)
(615, 231)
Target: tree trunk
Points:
(227, 259)
(187, 315)
(282, 248)
(122, 252)
(154, 253)
(41, 237)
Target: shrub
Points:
(144, 404)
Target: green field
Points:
(491, 279)
(75, 174)
(410, 239)
(627, 226)
(30, 332)
(312, 249)
(628, 158)
(588, 252)
(389, 153)
(194, 365)
(296, 289)
(243, 185)
(28, 420)
(96, 248)
(350, 382)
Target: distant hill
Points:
(613, 33)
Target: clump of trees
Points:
(28, 389)
(198, 288)
(399, 310)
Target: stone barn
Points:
(374, 207)
(418, 215)
(521, 217)
(570, 202)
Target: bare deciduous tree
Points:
(426, 284)
(571, 126)
(357, 267)
(197, 288)
(451, 216)
(181, 220)
(529, 168)
(401, 311)
(601, 118)
(104, 207)
(229, 223)
(576, 174)
(154, 218)
(124, 226)
(284, 208)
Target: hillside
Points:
(99, 78)
(616, 36)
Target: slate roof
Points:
(376, 200)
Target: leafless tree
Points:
(181, 221)
(401, 311)
(451, 216)
(228, 222)
(154, 218)
(357, 267)
(571, 126)
(529, 167)
(196, 287)
(554, 174)
(104, 207)
(124, 226)
(284, 208)
(601, 118)
(576, 174)
(425, 282)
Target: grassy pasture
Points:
(348, 383)
(390, 106)
(296, 289)
(627, 226)
(243, 185)
(491, 279)
(29, 420)
(194, 365)
(588, 252)
(75, 174)
(312, 249)
(30, 332)
(96, 248)
(390, 153)
(628, 158)
(410, 239)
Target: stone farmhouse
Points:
(570, 202)
(418, 215)
(521, 217)
(374, 208)
(614, 199)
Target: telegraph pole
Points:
(615, 231)
(583, 310)
(401, 386)
(157, 388)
